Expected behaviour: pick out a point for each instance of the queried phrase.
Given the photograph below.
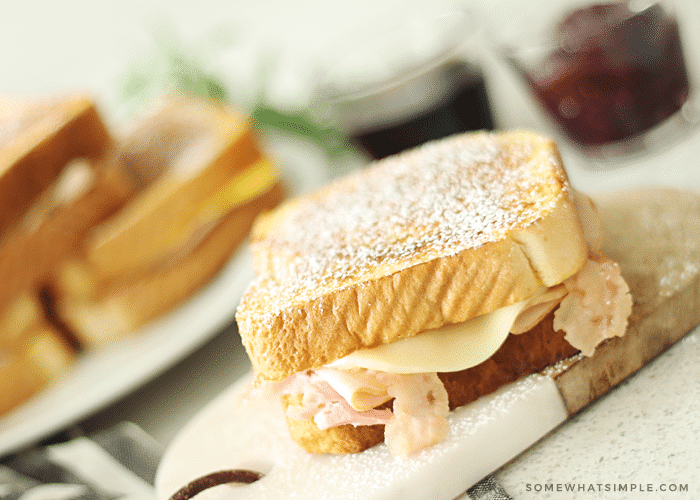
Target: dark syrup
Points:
(465, 108)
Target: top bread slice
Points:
(182, 155)
(37, 138)
(437, 235)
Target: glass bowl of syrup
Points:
(418, 81)
(612, 78)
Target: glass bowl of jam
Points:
(416, 81)
(613, 78)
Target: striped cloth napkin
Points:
(117, 464)
(486, 489)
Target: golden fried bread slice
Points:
(437, 235)
(337, 440)
(97, 312)
(43, 357)
(23, 313)
(33, 352)
(37, 138)
(182, 155)
(52, 229)
(78, 277)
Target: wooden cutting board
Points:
(655, 236)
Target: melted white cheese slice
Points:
(446, 349)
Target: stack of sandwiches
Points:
(418, 285)
(101, 234)
(57, 182)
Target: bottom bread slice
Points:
(44, 356)
(520, 355)
(340, 439)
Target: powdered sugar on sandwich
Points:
(591, 306)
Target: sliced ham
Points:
(420, 406)
(326, 406)
(596, 307)
(420, 412)
(537, 308)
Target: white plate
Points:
(102, 377)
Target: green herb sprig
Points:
(176, 70)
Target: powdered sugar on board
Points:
(237, 431)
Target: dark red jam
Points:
(615, 73)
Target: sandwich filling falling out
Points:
(591, 306)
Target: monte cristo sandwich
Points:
(421, 283)
(104, 233)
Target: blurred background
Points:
(281, 53)
(334, 83)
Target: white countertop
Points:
(643, 433)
